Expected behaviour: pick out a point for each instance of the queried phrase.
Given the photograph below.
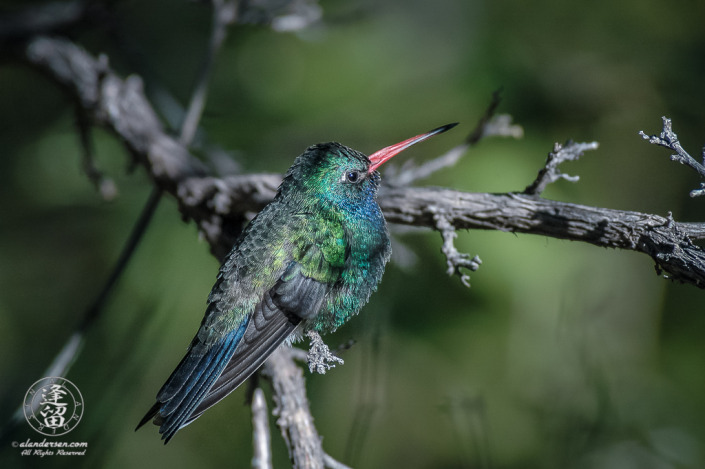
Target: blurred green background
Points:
(561, 355)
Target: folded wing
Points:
(210, 372)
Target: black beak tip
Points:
(443, 128)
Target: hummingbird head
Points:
(335, 173)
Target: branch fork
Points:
(570, 151)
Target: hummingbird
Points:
(306, 263)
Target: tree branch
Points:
(667, 242)
(294, 415)
(218, 205)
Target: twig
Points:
(491, 125)
(668, 139)
(300, 355)
(550, 173)
(454, 259)
(261, 438)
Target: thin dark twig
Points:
(476, 135)
(128, 250)
(224, 14)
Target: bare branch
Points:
(261, 438)
(117, 104)
(668, 139)
(668, 243)
(294, 415)
(550, 173)
(121, 106)
(218, 205)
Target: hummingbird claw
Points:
(320, 358)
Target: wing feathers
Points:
(211, 371)
(293, 298)
(259, 342)
(191, 381)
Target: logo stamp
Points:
(53, 406)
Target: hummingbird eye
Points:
(351, 175)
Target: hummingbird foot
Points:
(320, 358)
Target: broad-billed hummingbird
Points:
(306, 263)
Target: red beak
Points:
(379, 157)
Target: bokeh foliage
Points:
(560, 355)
